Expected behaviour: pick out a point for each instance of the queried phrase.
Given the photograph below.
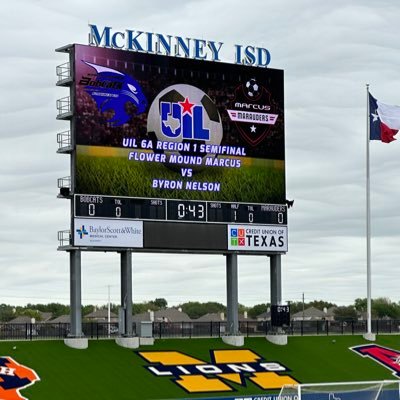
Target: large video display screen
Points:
(158, 127)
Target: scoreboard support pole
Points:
(277, 335)
(126, 291)
(276, 279)
(232, 294)
(76, 338)
(75, 293)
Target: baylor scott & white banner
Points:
(108, 233)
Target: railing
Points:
(63, 71)
(48, 330)
(99, 330)
(64, 238)
(64, 105)
(64, 139)
(64, 182)
(262, 328)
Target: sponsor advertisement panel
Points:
(270, 238)
(108, 233)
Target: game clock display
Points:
(98, 206)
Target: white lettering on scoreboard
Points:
(258, 238)
(108, 233)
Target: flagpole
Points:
(369, 334)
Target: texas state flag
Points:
(384, 120)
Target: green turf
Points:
(260, 182)
(107, 372)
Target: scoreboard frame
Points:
(178, 218)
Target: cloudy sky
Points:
(329, 51)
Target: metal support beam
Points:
(126, 291)
(75, 293)
(232, 294)
(276, 280)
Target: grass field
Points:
(108, 171)
(108, 372)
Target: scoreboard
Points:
(179, 210)
(183, 155)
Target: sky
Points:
(329, 52)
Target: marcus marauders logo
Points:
(226, 367)
(252, 112)
(13, 378)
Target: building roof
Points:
(62, 319)
(26, 319)
(101, 313)
(45, 316)
(265, 315)
(22, 319)
(310, 313)
(167, 315)
(330, 312)
(212, 317)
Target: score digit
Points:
(92, 210)
(192, 209)
(181, 210)
(201, 211)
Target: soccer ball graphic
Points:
(205, 109)
(252, 88)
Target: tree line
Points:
(382, 307)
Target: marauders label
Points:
(252, 112)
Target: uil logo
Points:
(13, 378)
(184, 114)
(183, 118)
(227, 366)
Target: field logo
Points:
(13, 378)
(117, 95)
(385, 356)
(252, 111)
(227, 366)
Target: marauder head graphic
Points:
(117, 95)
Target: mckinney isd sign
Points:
(157, 43)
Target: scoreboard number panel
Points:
(178, 210)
